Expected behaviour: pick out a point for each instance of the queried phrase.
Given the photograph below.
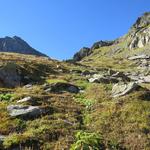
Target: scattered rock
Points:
(62, 87)
(26, 99)
(139, 57)
(140, 79)
(24, 111)
(102, 79)
(121, 75)
(109, 76)
(121, 89)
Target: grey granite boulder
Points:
(121, 89)
(24, 111)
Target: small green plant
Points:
(5, 97)
(87, 141)
(87, 102)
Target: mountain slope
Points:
(101, 101)
(17, 45)
(135, 42)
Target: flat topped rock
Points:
(121, 89)
(20, 110)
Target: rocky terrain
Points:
(99, 100)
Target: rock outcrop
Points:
(9, 75)
(139, 57)
(109, 76)
(142, 21)
(101, 44)
(17, 45)
(85, 51)
(140, 32)
(97, 78)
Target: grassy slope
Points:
(122, 122)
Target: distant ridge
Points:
(17, 45)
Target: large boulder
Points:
(24, 111)
(61, 87)
(121, 89)
(9, 75)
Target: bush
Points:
(87, 141)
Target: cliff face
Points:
(17, 45)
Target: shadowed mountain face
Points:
(17, 45)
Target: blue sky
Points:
(60, 28)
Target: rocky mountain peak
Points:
(17, 45)
(142, 21)
(140, 32)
